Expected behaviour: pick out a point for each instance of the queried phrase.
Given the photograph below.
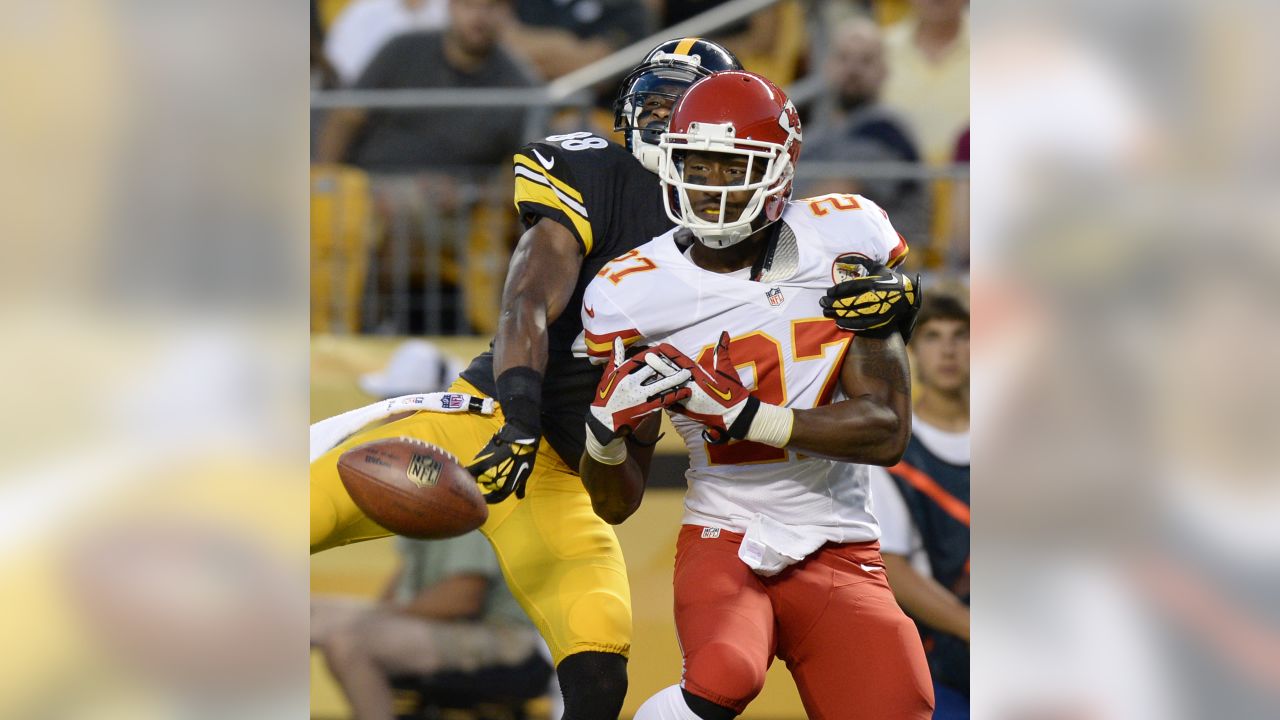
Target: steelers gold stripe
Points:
(529, 191)
(686, 44)
(526, 162)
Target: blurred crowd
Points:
(411, 221)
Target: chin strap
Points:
(649, 156)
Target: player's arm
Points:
(540, 281)
(616, 490)
(543, 271)
(925, 599)
(873, 425)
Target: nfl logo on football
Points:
(775, 296)
(423, 471)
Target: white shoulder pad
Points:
(843, 224)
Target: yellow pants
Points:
(562, 562)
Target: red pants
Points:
(852, 651)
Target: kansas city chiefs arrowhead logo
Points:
(789, 120)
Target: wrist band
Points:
(520, 396)
(772, 425)
(612, 453)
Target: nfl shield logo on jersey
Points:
(775, 296)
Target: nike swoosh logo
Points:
(723, 395)
(887, 281)
(870, 568)
(605, 392)
(545, 162)
(591, 312)
(520, 475)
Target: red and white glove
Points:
(724, 405)
(629, 390)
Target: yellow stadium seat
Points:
(342, 232)
(488, 250)
(891, 12)
(786, 51)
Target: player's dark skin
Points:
(871, 427)
(539, 285)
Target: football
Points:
(413, 488)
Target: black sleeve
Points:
(566, 185)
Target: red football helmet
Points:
(736, 113)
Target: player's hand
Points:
(632, 388)
(504, 465)
(877, 304)
(718, 399)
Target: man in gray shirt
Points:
(465, 55)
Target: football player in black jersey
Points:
(583, 201)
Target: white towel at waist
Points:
(326, 434)
(769, 547)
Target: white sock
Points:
(666, 704)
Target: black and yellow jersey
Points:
(611, 204)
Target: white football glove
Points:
(629, 390)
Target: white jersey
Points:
(786, 353)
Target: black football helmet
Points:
(655, 85)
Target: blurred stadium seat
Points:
(342, 230)
(789, 47)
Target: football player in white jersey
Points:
(778, 554)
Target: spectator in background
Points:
(446, 609)
(560, 36)
(365, 26)
(855, 127)
(922, 503)
(453, 140)
(771, 41)
(928, 56)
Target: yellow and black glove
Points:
(876, 305)
(503, 466)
